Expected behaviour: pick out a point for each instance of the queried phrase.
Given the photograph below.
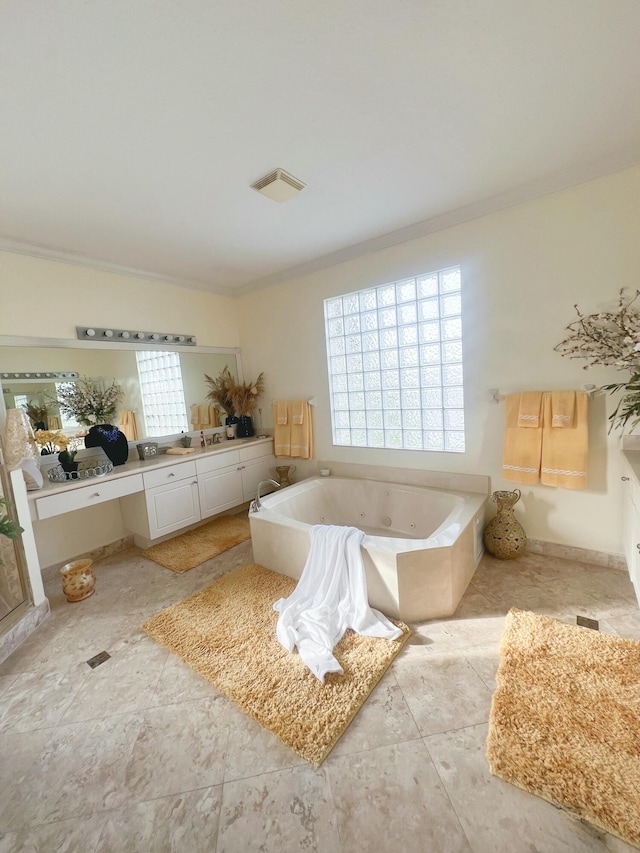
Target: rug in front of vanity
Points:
(196, 546)
(227, 633)
(565, 720)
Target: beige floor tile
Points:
(19, 753)
(252, 750)
(182, 823)
(80, 771)
(443, 691)
(391, 799)
(497, 816)
(289, 810)
(178, 748)
(72, 836)
(385, 718)
(485, 661)
(179, 683)
(37, 701)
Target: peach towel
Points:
(128, 425)
(563, 408)
(293, 440)
(297, 412)
(565, 451)
(530, 409)
(281, 412)
(521, 460)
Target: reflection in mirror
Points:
(164, 391)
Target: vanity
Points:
(166, 494)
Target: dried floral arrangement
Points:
(221, 392)
(611, 339)
(37, 413)
(51, 441)
(233, 397)
(90, 401)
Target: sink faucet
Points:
(216, 438)
(255, 503)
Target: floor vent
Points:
(96, 660)
(585, 622)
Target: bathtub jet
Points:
(420, 550)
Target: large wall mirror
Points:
(106, 363)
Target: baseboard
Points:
(27, 624)
(583, 555)
(96, 554)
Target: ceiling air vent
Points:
(278, 185)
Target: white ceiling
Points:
(130, 132)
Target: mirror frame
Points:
(62, 343)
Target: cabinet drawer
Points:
(218, 460)
(254, 451)
(96, 493)
(170, 474)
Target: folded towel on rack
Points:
(281, 412)
(128, 425)
(293, 439)
(297, 412)
(530, 409)
(521, 460)
(563, 408)
(565, 451)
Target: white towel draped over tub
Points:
(330, 597)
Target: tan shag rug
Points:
(190, 549)
(227, 633)
(565, 720)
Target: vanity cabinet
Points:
(255, 466)
(219, 483)
(173, 504)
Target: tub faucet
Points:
(255, 503)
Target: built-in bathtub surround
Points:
(421, 548)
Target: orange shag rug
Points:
(196, 546)
(227, 633)
(565, 720)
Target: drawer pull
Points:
(95, 495)
(195, 483)
(638, 546)
(624, 479)
(172, 474)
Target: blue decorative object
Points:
(111, 440)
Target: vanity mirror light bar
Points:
(34, 375)
(93, 333)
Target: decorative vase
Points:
(78, 580)
(245, 427)
(283, 473)
(67, 465)
(111, 440)
(20, 443)
(504, 536)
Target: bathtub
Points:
(421, 545)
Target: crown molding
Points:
(583, 173)
(48, 253)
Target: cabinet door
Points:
(256, 471)
(220, 490)
(172, 506)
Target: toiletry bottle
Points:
(202, 441)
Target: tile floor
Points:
(141, 754)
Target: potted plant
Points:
(66, 458)
(221, 393)
(237, 399)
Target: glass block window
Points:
(394, 354)
(163, 402)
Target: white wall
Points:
(42, 298)
(523, 269)
(45, 298)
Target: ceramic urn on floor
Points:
(504, 536)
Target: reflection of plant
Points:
(236, 398)
(611, 339)
(89, 401)
(222, 390)
(36, 413)
(67, 456)
(8, 527)
(51, 441)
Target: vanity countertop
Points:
(138, 466)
